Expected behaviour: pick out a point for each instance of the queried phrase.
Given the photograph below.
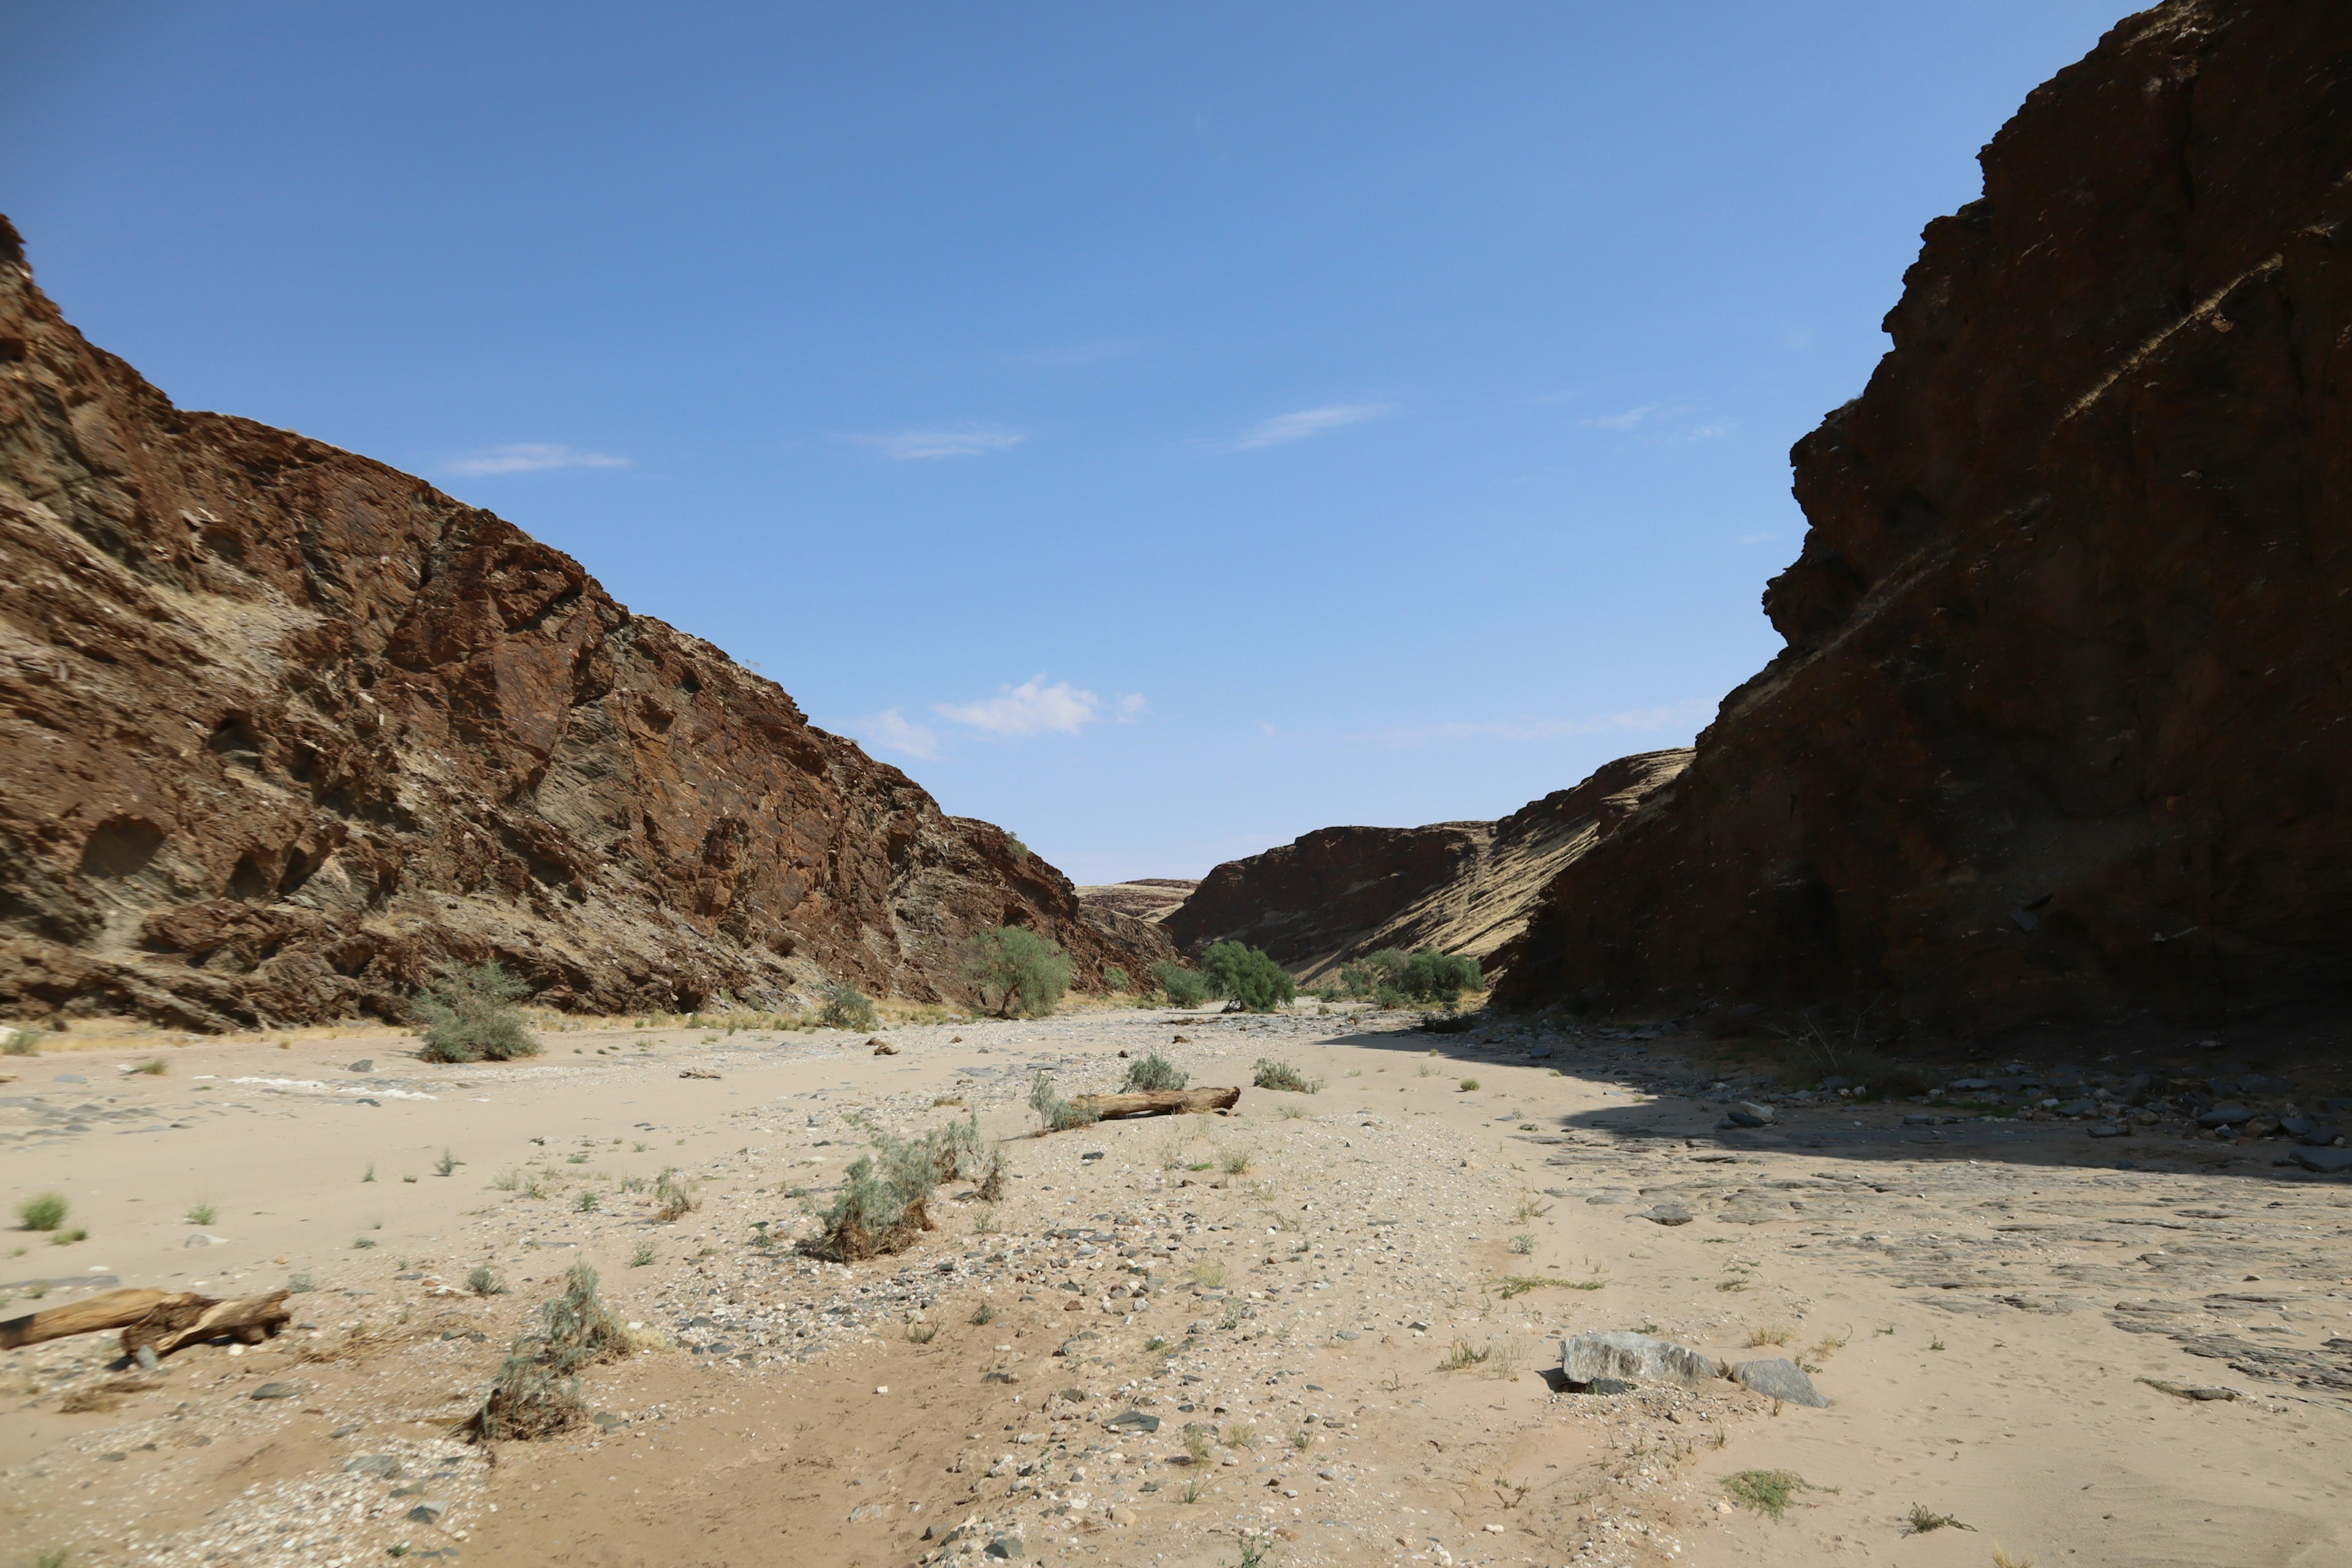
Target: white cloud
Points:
(1284, 428)
(531, 458)
(1757, 538)
(1130, 707)
(1671, 717)
(956, 441)
(890, 731)
(1032, 708)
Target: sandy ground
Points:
(1990, 1307)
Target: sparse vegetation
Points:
(1768, 1491)
(1058, 1114)
(43, 1211)
(1018, 972)
(1242, 974)
(585, 1203)
(299, 1284)
(470, 1015)
(446, 1164)
(1768, 1334)
(673, 1195)
(203, 1213)
(1114, 978)
(1155, 1072)
(985, 1315)
(1272, 1074)
(1235, 1162)
(1469, 1085)
(538, 1390)
(485, 1281)
(1183, 987)
(153, 1067)
(845, 1007)
(884, 1202)
(21, 1042)
(922, 1333)
(1523, 1245)
(1196, 1442)
(1923, 1518)
(1465, 1355)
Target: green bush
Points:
(1017, 971)
(1243, 975)
(1115, 977)
(884, 1204)
(43, 1211)
(1185, 988)
(1366, 977)
(538, 1390)
(1272, 1074)
(845, 1007)
(1057, 1113)
(21, 1042)
(1434, 976)
(1154, 1072)
(470, 1015)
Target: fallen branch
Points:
(1158, 1103)
(168, 1327)
(108, 1309)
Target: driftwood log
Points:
(1158, 1102)
(164, 1319)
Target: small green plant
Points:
(362, 1243)
(21, 1042)
(845, 1007)
(585, 1203)
(43, 1211)
(1768, 1334)
(202, 1212)
(1210, 1275)
(1923, 1518)
(1465, 1355)
(673, 1195)
(154, 1067)
(1469, 1085)
(53, 1558)
(1156, 1342)
(1768, 1491)
(985, 1314)
(1530, 1209)
(922, 1333)
(1523, 1245)
(642, 1256)
(369, 1175)
(1114, 978)
(299, 1284)
(1196, 1442)
(1242, 974)
(1191, 1489)
(1302, 1440)
(1183, 987)
(470, 1015)
(446, 1165)
(1240, 1435)
(507, 1181)
(1058, 1114)
(1235, 1162)
(1016, 972)
(1154, 1072)
(68, 1237)
(1937, 1343)
(884, 1204)
(485, 1281)
(538, 1390)
(1272, 1074)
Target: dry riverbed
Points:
(1324, 1329)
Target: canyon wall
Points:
(1463, 888)
(281, 729)
(2060, 731)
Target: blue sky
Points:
(1160, 429)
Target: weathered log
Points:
(168, 1327)
(107, 1310)
(1158, 1102)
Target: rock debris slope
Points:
(2059, 731)
(284, 727)
(1460, 887)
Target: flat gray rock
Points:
(1749, 1113)
(1133, 1421)
(2109, 1130)
(1781, 1379)
(1636, 1358)
(2330, 1161)
(383, 1464)
(1664, 1214)
(274, 1391)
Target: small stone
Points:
(366, 1064)
(429, 1512)
(1748, 1114)
(864, 1511)
(1351, 1333)
(1778, 1378)
(383, 1464)
(201, 1239)
(1006, 1547)
(147, 1358)
(276, 1391)
(1093, 1154)
(1418, 1327)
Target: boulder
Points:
(2327, 1161)
(1635, 1357)
(1778, 1378)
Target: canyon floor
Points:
(2007, 1320)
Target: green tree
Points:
(1245, 974)
(470, 1015)
(1185, 987)
(1441, 977)
(1017, 971)
(845, 1007)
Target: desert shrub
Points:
(1241, 973)
(1185, 988)
(538, 1390)
(884, 1202)
(1430, 976)
(845, 1007)
(1017, 971)
(673, 1195)
(1057, 1113)
(21, 1042)
(1272, 1074)
(1115, 977)
(43, 1211)
(1366, 977)
(1154, 1072)
(470, 1015)
(485, 1281)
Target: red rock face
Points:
(1463, 888)
(283, 727)
(2061, 729)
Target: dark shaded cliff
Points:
(281, 728)
(2060, 732)
(1464, 888)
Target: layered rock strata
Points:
(2061, 729)
(281, 729)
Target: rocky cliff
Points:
(1146, 897)
(1464, 888)
(283, 727)
(2060, 732)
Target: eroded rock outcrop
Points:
(1463, 888)
(281, 728)
(2060, 731)
(1145, 897)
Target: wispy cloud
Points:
(531, 458)
(1657, 421)
(1032, 708)
(890, 731)
(1284, 428)
(1757, 538)
(1074, 356)
(1634, 418)
(1130, 708)
(953, 441)
(1673, 716)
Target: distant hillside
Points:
(1145, 898)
